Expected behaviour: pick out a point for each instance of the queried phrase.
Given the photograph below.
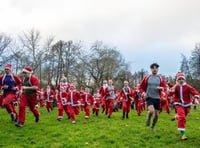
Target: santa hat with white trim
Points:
(180, 75)
(27, 70)
(8, 66)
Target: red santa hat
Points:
(27, 70)
(180, 75)
(73, 84)
(8, 66)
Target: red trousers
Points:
(87, 110)
(49, 106)
(109, 106)
(139, 106)
(182, 113)
(7, 100)
(103, 104)
(96, 108)
(30, 101)
(60, 110)
(74, 110)
(164, 105)
(126, 106)
(41, 103)
(14, 110)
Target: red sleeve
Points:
(78, 96)
(18, 81)
(45, 94)
(170, 85)
(193, 91)
(1, 79)
(58, 87)
(106, 92)
(143, 85)
(163, 84)
(53, 93)
(115, 90)
(34, 81)
(92, 99)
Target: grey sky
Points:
(145, 31)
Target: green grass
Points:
(97, 131)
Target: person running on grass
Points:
(151, 87)
(182, 100)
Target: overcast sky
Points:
(145, 31)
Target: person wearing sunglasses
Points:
(182, 100)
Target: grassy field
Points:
(97, 131)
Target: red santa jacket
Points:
(102, 91)
(74, 97)
(137, 95)
(126, 96)
(182, 95)
(15, 78)
(87, 99)
(144, 83)
(64, 98)
(48, 96)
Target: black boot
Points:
(127, 115)
(19, 124)
(123, 116)
(37, 120)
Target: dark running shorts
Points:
(154, 102)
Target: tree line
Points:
(51, 59)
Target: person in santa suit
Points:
(82, 102)
(49, 95)
(138, 99)
(110, 95)
(30, 85)
(96, 104)
(126, 95)
(102, 93)
(64, 85)
(87, 101)
(41, 97)
(151, 87)
(182, 100)
(74, 98)
(9, 84)
(164, 102)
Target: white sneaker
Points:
(86, 117)
(73, 122)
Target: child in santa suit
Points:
(87, 101)
(74, 98)
(96, 104)
(125, 95)
(138, 100)
(49, 95)
(110, 95)
(164, 102)
(102, 93)
(30, 85)
(9, 84)
(64, 85)
(41, 97)
(182, 101)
